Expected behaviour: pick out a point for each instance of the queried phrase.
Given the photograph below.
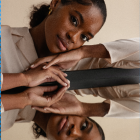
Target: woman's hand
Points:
(38, 76)
(37, 96)
(69, 104)
(64, 60)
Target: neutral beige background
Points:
(122, 22)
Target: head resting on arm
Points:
(61, 127)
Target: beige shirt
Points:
(18, 52)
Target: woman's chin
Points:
(54, 51)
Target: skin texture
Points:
(76, 127)
(65, 23)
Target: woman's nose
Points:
(73, 36)
(75, 131)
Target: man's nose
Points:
(75, 131)
(73, 36)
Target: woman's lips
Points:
(64, 124)
(62, 46)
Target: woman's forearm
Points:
(96, 109)
(95, 51)
(14, 101)
(12, 80)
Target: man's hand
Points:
(63, 61)
(69, 104)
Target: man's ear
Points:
(54, 3)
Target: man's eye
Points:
(85, 38)
(74, 20)
(84, 126)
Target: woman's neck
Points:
(38, 36)
(42, 119)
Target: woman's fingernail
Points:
(65, 74)
(32, 66)
(33, 108)
(66, 84)
(45, 109)
(44, 67)
(68, 81)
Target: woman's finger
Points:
(56, 97)
(52, 110)
(59, 80)
(62, 75)
(54, 61)
(42, 60)
(56, 70)
(41, 109)
(49, 88)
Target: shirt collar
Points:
(25, 43)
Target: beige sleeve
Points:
(124, 108)
(125, 103)
(2, 108)
(124, 49)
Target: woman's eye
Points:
(74, 20)
(84, 126)
(85, 38)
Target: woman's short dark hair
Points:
(37, 131)
(40, 12)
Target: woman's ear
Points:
(54, 3)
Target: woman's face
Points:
(71, 128)
(70, 26)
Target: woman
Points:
(68, 25)
(66, 127)
(122, 53)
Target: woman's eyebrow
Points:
(80, 15)
(91, 34)
(89, 130)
